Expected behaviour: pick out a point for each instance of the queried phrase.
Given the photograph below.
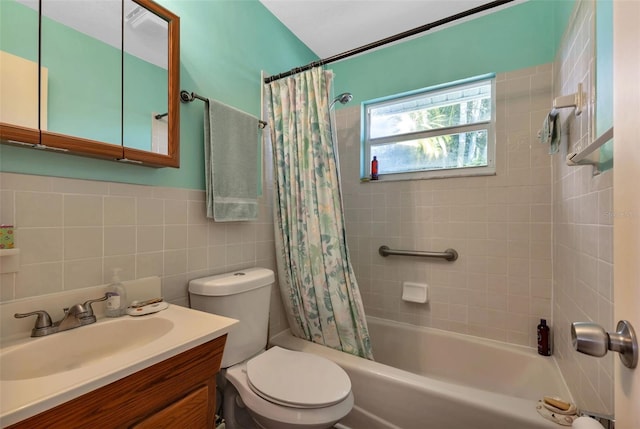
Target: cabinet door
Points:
(146, 79)
(81, 45)
(20, 118)
(188, 412)
(151, 75)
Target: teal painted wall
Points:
(144, 92)
(604, 78)
(18, 30)
(520, 36)
(224, 46)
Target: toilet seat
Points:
(297, 379)
(270, 414)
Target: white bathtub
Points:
(426, 378)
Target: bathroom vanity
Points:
(177, 392)
(151, 371)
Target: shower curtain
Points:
(317, 282)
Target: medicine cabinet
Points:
(96, 78)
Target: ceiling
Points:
(330, 27)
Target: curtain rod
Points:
(389, 39)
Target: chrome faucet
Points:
(75, 316)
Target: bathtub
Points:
(425, 378)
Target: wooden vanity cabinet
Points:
(177, 392)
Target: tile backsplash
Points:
(71, 234)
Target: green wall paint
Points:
(604, 78)
(224, 46)
(517, 37)
(144, 93)
(18, 30)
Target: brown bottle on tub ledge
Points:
(544, 339)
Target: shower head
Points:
(343, 98)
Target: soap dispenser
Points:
(117, 296)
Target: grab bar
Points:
(449, 254)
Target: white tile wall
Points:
(71, 233)
(501, 226)
(583, 231)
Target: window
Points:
(440, 131)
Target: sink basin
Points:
(79, 347)
(37, 374)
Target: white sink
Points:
(37, 374)
(79, 347)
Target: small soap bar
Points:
(558, 403)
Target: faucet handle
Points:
(43, 320)
(76, 310)
(87, 304)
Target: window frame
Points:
(489, 125)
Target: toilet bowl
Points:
(282, 389)
(274, 388)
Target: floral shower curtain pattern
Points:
(317, 282)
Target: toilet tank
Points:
(243, 295)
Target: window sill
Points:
(433, 174)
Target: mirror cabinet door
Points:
(81, 44)
(20, 119)
(151, 107)
(146, 77)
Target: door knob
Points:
(591, 339)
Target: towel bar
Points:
(188, 97)
(576, 158)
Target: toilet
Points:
(274, 388)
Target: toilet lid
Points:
(297, 379)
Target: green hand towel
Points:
(231, 140)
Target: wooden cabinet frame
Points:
(42, 139)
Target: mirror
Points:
(146, 75)
(109, 68)
(19, 114)
(81, 47)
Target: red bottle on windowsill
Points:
(374, 169)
